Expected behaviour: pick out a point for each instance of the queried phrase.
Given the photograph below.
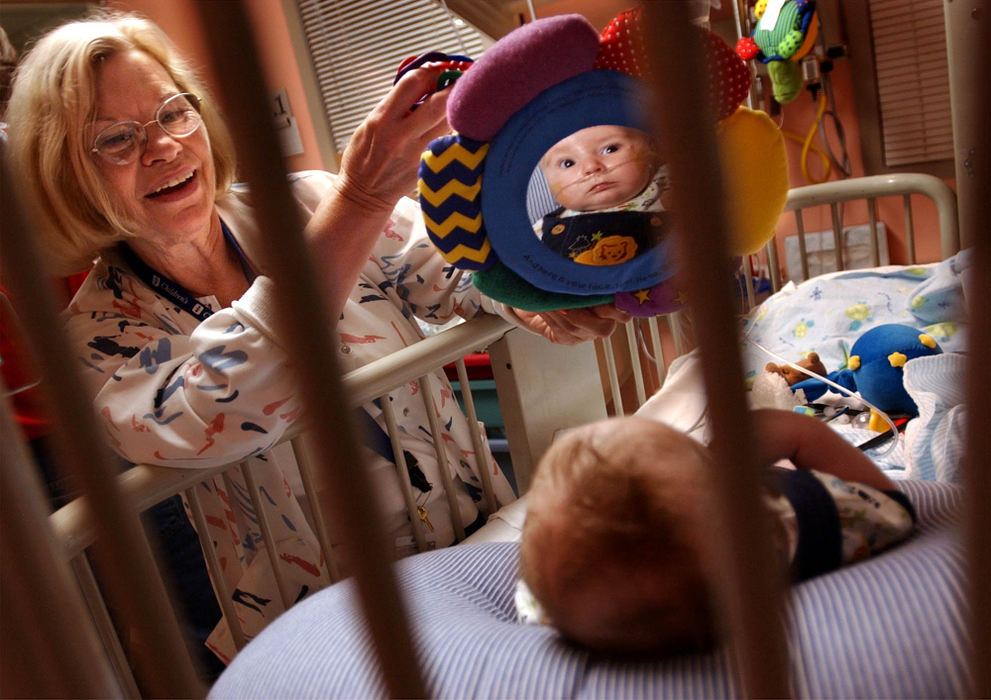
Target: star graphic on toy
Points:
(643, 296)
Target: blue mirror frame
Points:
(589, 99)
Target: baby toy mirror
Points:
(595, 195)
(597, 110)
(553, 189)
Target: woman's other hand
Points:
(378, 168)
(380, 162)
(574, 326)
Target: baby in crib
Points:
(613, 549)
(609, 184)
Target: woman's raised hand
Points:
(380, 162)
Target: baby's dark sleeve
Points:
(840, 522)
(902, 500)
(820, 547)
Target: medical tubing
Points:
(598, 174)
(808, 144)
(841, 165)
(830, 382)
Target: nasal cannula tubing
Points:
(598, 174)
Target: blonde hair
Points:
(616, 497)
(54, 98)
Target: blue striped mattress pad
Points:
(890, 627)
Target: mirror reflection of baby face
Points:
(598, 167)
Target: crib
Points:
(370, 636)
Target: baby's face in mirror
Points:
(598, 167)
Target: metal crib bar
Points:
(104, 625)
(221, 590)
(748, 281)
(437, 431)
(909, 229)
(478, 441)
(271, 551)
(677, 333)
(872, 220)
(402, 473)
(803, 253)
(834, 212)
(605, 345)
(301, 453)
(633, 347)
(750, 592)
(655, 339)
(345, 492)
(772, 265)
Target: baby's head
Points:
(612, 546)
(599, 167)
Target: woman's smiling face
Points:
(166, 194)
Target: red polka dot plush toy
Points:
(622, 47)
(553, 188)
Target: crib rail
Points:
(871, 188)
(143, 486)
(638, 355)
(376, 378)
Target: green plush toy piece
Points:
(500, 282)
(784, 33)
(786, 80)
(780, 34)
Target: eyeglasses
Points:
(121, 143)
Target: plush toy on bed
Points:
(534, 89)
(874, 369)
(791, 375)
(771, 390)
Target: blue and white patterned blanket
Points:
(827, 314)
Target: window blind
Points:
(912, 78)
(357, 45)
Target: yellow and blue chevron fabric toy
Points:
(449, 189)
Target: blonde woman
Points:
(126, 161)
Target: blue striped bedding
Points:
(889, 627)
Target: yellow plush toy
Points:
(754, 200)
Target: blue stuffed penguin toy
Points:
(874, 368)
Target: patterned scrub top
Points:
(175, 391)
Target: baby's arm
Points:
(811, 444)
